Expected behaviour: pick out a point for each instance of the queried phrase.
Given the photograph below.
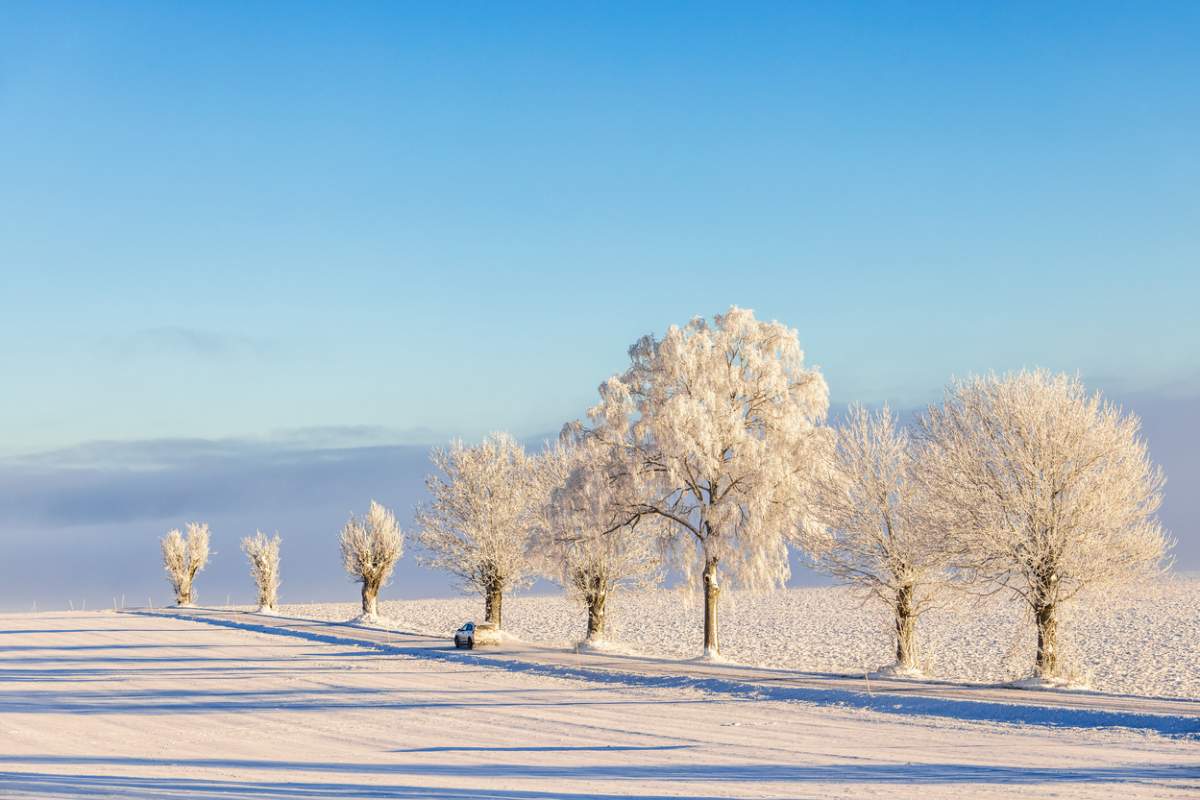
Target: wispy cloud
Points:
(175, 341)
(284, 446)
(98, 509)
(125, 483)
(1175, 387)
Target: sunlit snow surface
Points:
(149, 706)
(1142, 641)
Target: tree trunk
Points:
(906, 628)
(370, 596)
(711, 592)
(1046, 617)
(183, 594)
(596, 599)
(493, 605)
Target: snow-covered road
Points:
(134, 706)
(987, 703)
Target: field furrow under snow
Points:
(1144, 641)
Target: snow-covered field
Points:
(106, 705)
(1144, 641)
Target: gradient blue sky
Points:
(224, 218)
(253, 220)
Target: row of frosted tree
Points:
(711, 455)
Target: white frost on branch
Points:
(483, 510)
(584, 541)
(263, 554)
(370, 547)
(1047, 491)
(868, 526)
(183, 558)
(720, 426)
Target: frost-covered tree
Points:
(183, 558)
(869, 527)
(478, 524)
(721, 426)
(1048, 490)
(371, 546)
(263, 555)
(584, 541)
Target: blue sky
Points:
(393, 224)
(226, 218)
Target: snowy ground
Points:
(111, 705)
(1145, 641)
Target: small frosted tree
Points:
(1049, 491)
(482, 513)
(183, 558)
(263, 555)
(371, 546)
(584, 542)
(720, 426)
(868, 527)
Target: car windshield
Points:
(470, 626)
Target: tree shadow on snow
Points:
(44, 785)
(200, 701)
(599, 748)
(40, 784)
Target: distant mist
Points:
(81, 525)
(84, 523)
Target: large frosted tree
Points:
(869, 526)
(721, 425)
(482, 513)
(1048, 491)
(584, 541)
(183, 557)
